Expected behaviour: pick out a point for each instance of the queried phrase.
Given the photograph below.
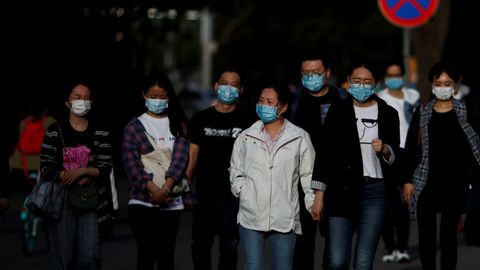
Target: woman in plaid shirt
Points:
(154, 213)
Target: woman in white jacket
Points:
(268, 160)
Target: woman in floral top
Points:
(77, 151)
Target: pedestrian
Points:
(362, 136)
(212, 134)
(153, 207)
(317, 95)
(76, 152)
(32, 128)
(268, 161)
(397, 220)
(446, 146)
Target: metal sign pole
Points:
(406, 51)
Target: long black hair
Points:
(174, 112)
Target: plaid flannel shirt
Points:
(420, 175)
(135, 143)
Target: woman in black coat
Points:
(352, 168)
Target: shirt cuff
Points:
(392, 156)
(317, 185)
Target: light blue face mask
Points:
(156, 105)
(266, 113)
(361, 92)
(227, 94)
(313, 82)
(394, 83)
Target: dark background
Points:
(45, 43)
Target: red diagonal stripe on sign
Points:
(417, 5)
(398, 5)
(414, 3)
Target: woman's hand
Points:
(160, 195)
(68, 177)
(408, 190)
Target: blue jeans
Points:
(281, 246)
(368, 225)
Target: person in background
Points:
(315, 99)
(153, 212)
(269, 159)
(350, 175)
(212, 134)
(397, 220)
(31, 129)
(75, 238)
(444, 148)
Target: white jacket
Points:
(267, 184)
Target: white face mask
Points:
(443, 93)
(80, 107)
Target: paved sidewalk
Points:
(119, 252)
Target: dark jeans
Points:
(427, 235)
(211, 219)
(155, 233)
(397, 221)
(304, 254)
(368, 226)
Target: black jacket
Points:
(339, 161)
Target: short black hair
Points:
(229, 68)
(315, 54)
(394, 62)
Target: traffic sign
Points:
(408, 13)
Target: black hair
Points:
(315, 54)
(394, 62)
(68, 85)
(284, 94)
(174, 112)
(74, 82)
(440, 67)
(229, 68)
(368, 65)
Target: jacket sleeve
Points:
(321, 168)
(412, 152)
(394, 140)
(179, 158)
(103, 153)
(237, 166)
(307, 157)
(51, 163)
(131, 157)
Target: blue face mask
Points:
(394, 83)
(313, 82)
(155, 105)
(266, 113)
(360, 92)
(227, 94)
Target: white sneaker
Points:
(390, 257)
(402, 256)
